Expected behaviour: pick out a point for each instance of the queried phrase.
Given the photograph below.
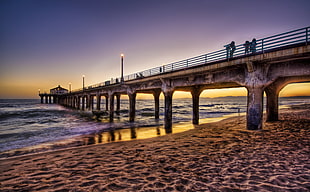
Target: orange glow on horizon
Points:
(30, 91)
(295, 89)
(291, 90)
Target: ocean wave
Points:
(209, 105)
(27, 124)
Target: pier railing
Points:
(298, 36)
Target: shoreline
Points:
(221, 156)
(104, 137)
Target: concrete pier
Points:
(266, 71)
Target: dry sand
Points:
(220, 156)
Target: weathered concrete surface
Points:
(268, 72)
(196, 91)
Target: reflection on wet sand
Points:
(134, 133)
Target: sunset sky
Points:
(46, 43)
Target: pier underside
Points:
(259, 73)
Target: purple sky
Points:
(45, 43)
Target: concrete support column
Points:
(41, 99)
(133, 133)
(83, 103)
(132, 106)
(255, 108)
(91, 102)
(78, 102)
(111, 98)
(73, 102)
(272, 107)
(107, 103)
(255, 81)
(118, 103)
(168, 110)
(98, 98)
(196, 91)
(156, 95)
(87, 97)
(46, 99)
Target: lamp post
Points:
(69, 87)
(39, 91)
(83, 82)
(122, 68)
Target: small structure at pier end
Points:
(53, 96)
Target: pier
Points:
(275, 62)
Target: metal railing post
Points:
(307, 35)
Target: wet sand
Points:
(221, 156)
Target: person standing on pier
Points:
(253, 46)
(227, 50)
(230, 49)
(246, 47)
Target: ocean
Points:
(27, 126)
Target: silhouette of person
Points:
(227, 50)
(232, 48)
(246, 47)
(253, 46)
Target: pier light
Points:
(39, 91)
(70, 87)
(83, 82)
(122, 68)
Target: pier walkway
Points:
(267, 67)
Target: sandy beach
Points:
(221, 156)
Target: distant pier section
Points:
(53, 96)
(264, 66)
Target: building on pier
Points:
(58, 90)
(53, 96)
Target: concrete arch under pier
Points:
(258, 73)
(273, 91)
